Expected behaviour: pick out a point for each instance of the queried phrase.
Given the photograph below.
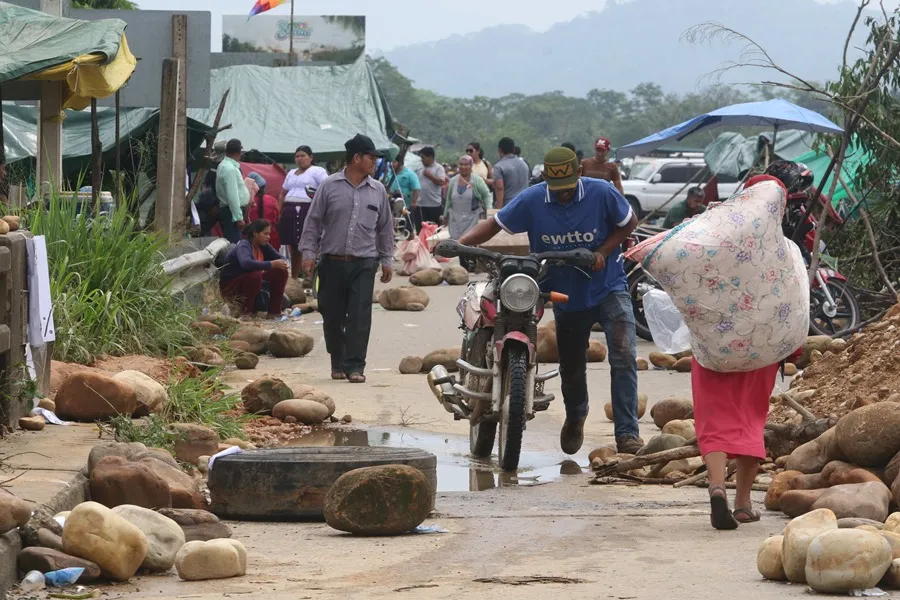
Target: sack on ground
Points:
(740, 285)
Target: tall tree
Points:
(105, 4)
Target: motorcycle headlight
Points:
(519, 293)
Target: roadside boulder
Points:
(151, 395)
(246, 361)
(129, 450)
(892, 470)
(207, 327)
(261, 396)
(891, 579)
(164, 536)
(844, 560)
(194, 441)
(860, 500)
(415, 307)
(13, 221)
(642, 364)
(812, 481)
(447, 358)
(411, 365)
(870, 436)
(215, 559)
(290, 344)
(116, 480)
(812, 456)
(185, 493)
(49, 539)
(602, 453)
(769, 559)
(853, 523)
(455, 275)
(294, 291)
(36, 423)
(48, 559)
(91, 396)
(95, 533)
(255, 337)
(382, 500)
(660, 443)
(308, 392)
(795, 503)
(14, 512)
(197, 525)
(399, 298)
(892, 523)
(547, 348)
(642, 407)
(596, 352)
(307, 412)
(780, 484)
(683, 427)
(670, 410)
(662, 361)
(798, 535)
(426, 278)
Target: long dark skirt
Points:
(290, 227)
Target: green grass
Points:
(201, 400)
(110, 295)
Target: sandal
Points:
(746, 515)
(338, 376)
(356, 378)
(720, 516)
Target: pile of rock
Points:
(841, 376)
(680, 362)
(852, 469)
(114, 544)
(833, 556)
(453, 275)
(408, 298)
(302, 404)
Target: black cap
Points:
(361, 144)
(233, 147)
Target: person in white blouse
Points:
(294, 203)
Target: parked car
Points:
(653, 181)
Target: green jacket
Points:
(482, 193)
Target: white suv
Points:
(652, 182)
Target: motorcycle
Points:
(499, 380)
(834, 308)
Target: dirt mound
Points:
(266, 432)
(865, 371)
(160, 369)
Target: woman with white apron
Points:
(294, 203)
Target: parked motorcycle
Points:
(499, 379)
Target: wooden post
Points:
(48, 173)
(179, 52)
(96, 159)
(291, 46)
(210, 140)
(166, 177)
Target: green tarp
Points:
(31, 41)
(275, 109)
(20, 131)
(732, 153)
(818, 163)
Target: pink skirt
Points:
(730, 409)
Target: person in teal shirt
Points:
(406, 182)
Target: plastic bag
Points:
(430, 234)
(665, 323)
(415, 257)
(740, 286)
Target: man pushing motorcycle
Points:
(566, 212)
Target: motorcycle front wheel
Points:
(482, 435)
(512, 414)
(846, 314)
(636, 282)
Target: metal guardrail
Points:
(194, 268)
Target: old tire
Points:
(512, 414)
(290, 484)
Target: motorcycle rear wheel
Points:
(482, 435)
(847, 317)
(637, 303)
(512, 413)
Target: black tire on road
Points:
(481, 436)
(290, 484)
(512, 414)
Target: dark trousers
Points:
(573, 334)
(229, 227)
(245, 288)
(427, 214)
(345, 301)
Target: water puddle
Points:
(456, 470)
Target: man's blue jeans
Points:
(573, 333)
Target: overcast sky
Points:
(402, 22)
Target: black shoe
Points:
(572, 436)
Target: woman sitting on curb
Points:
(248, 264)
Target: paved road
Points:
(590, 541)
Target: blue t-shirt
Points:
(586, 222)
(407, 182)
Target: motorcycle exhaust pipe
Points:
(440, 383)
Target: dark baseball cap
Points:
(233, 147)
(361, 144)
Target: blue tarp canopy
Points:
(776, 114)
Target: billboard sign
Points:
(339, 39)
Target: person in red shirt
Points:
(263, 205)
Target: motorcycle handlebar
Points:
(579, 258)
(452, 249)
